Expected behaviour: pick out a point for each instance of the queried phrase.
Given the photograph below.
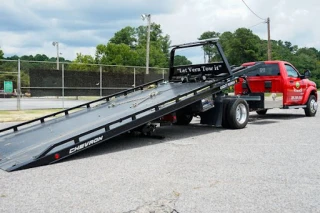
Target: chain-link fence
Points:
(72, 82)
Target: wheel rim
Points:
(313, 106)
(241, 113)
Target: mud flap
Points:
(214, 116)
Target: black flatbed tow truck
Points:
(192, 90)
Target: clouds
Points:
(29, 27)
(290, 20)
(75, 24)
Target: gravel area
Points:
(273, 165)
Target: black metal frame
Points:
(213, 41)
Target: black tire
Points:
(262, 112)
(237, 113)
(312, 106)
(183, 119)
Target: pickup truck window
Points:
(266, 70)
(291, 71)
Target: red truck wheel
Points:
(312, 106)
(237, 113)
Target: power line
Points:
(256, 24)
(252, 11)
(265, 21)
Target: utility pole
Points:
(55, 43)
(148, 17)
(269, 40)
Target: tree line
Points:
(128, 48)
(244, 46)
(37, 57)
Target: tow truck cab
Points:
(278, 84)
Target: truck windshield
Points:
(266, 70)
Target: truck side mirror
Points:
(307, 74)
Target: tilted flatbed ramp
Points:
(51, 138)
(47, 141)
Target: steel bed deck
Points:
(27, 144)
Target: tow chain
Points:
(150, 96)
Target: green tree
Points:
(27, 58)
(181, 60)
(101, 54)
(307, 58)
(126, 36)
(158, 58)
(209, 50)
(157, 39)
(82, 63)
(280, 50)
(128, 47)
(61, 59)
(1, 54)
(116, 54)
(14, 57)
(120, 54)
(245, 46)
(225, 39)
(86, 59)
(41, 57)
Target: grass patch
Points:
(24, 115)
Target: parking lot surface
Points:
(273, 165)
(38, 103)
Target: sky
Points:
(29, 27)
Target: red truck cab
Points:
(278, 84)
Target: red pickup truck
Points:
(278, 84)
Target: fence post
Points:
(163, 74)
(19, 87)
(62, 86)
(134, 77)
(100, 81)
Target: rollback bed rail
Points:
(87, 105)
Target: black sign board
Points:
(209, 70)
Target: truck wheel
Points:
(262, 112)
(238, 113)
(312, 106)
(183, 119)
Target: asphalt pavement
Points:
(273, 165)
(38, 103)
